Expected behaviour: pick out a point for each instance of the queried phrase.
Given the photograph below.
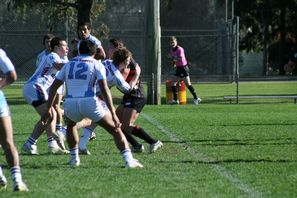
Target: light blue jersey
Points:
(80, 75)
(93, 39)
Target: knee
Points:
(125, 127)
(7, 145)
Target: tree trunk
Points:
(84, 10)
(282, 50)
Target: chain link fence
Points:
(200, 27)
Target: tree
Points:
(58, 11)
(267, 24)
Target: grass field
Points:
(215, 149)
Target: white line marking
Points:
(251, 192)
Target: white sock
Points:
(58, 127)
(127, 155)
(74, 153)
(1, 172)
(31, 141)
(52, 142)
(85, 138)
(16, 174)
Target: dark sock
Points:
(192, 90)
(132, 140)
(174, 91)
(139, 132)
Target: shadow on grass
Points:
(236, 161)
(235, 142)
(256, 124)
(16, 101)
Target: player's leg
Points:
(57, 106)
(72, 115)
(37, 96)
(174, 79)
(72, 140)
(136, 146)
(87, 132)
(11, 154)
(131, 115)
(58, 133)
(187, 80)
(53, 147)
(120, 140)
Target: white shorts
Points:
(4, 109)
(33, 92)
(78, 108)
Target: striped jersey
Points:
(46, 72)
(114, 77)
(138, 90)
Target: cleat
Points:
(197, 101)
(3, 183)
(174, 102)
(134, 164)
(20, 187)
(93, 136)
(57, 150)
(30, 149)
(137, 149)
(60, 138)
(154, 147)
(84, 152)
(75, 162)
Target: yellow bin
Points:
(182, 94)
(169, 94)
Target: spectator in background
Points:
(6, 130)
(180, 64)
(291, 65)
(84, 33)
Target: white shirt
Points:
(46, 72)
(114, 77)
(80, 75)
(5, 66)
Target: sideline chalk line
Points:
(251, 192)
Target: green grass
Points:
(215, 149)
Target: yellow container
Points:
(169, 94)
(182, 93)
